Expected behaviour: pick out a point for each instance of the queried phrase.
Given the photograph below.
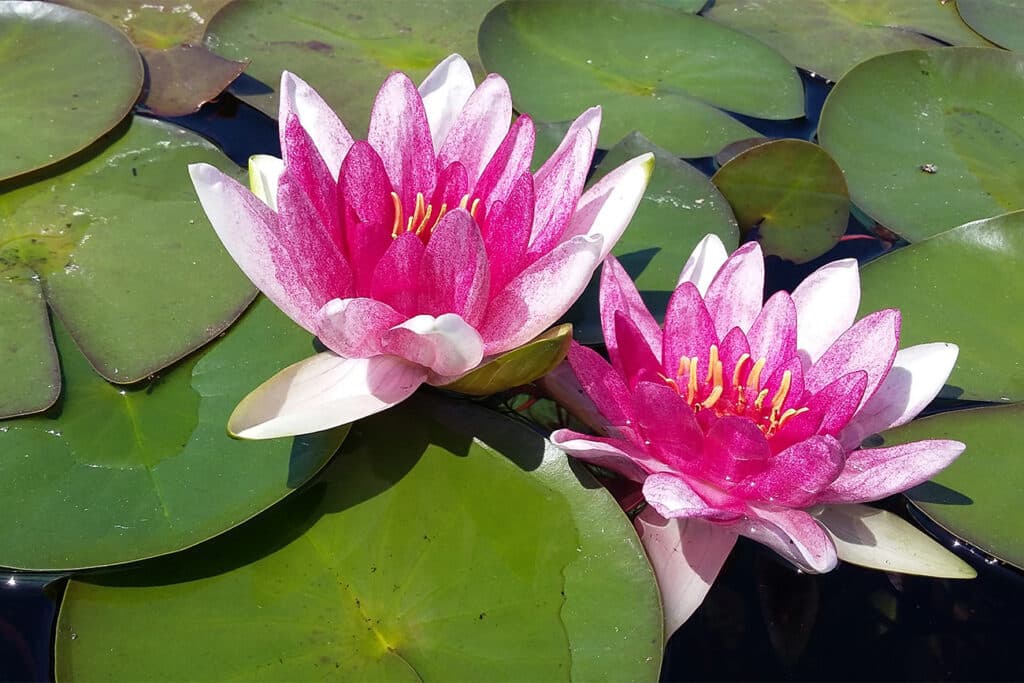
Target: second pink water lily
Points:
(418, 253)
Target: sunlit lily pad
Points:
(978, 497)
(28, 358)
(679, 208)
(964, 286)
(1001, 21)
(790, 194)
(828, 37)
(115, 474)
(664, 72)
(68, 79)
(126, 256)
(930, 139)
(343, 49)
(444, 543)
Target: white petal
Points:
(324, 127)
(264, 175)
(918, 374)
(826, 306)
(881, 540)
(445, 91)
(447, 344)
(321, 392)
(705, 261)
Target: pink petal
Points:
(673, 497)
(736, 293)
(354, 327)
(773, 334)
(633, 358)
(327, 131)
(539, 295)
(734, 449)
(308, 172)
(686, 556)
(704, 263)
(321, 392)
(794, 535)
(508, 163)
(364, 195)
(689, 329)
(794, 398)
(507, 232)
(400, 134)
(732, 348)
(445, 91)
(249, 230)
(454, 277)
(447, 345)
(558, 186)
(667, 425)
(828, 411)
(619, 294)
(612, 454)
(396, 276)
(452, 186)
(602, 384)
(479, 128)
(826, 305)
(874, 473)
(796, 475)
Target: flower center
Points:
(743, 396)
(423, 220)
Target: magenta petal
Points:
(689, 330)
(737, 290)
(794, 398)
(772, 336)
(672, 497)
(667, 425)
(602, 384)
(354, 327)
(328, 133)
(796, 475)
(452, 186)
(632, 357)
(508, 163)
(828, 411)
(401, 135)
(612, 454)
(734, 449)
(619, 294)
(794, 535)
(454, 277)
(733, 347)
(479, 128)
(397, 274)
(507, 232)
(364, 197)
(874, 473)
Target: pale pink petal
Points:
(602, 384)
(689, 329)
(445, 91)
(321, 392)
(918, 374)
(686, 556)
(612, 454)
(329, 134)
(826, 305)
(773, 334)
(619, 294)
(673, 497)
(479, 129)
(507, 232)
(535, 299)
(264, 175)
(454, 277)
(445, 344)
(796, 475)
(704, 263)
(508, 163)
(557, 191)
(736, 293)
(874, 473)
(354, 327)
(794, 535)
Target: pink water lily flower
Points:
(746, 418)
(418, 253)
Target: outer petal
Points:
(826, 305)
(264, 175)
(479, 128)
(686, 555)
(601, 384)
(445, 344)
(508, 163)
(558, 186)
(916, 377)
(329, 134)
(612, 454)
(736, 293)
(401, 136)
(321, 392)
(535, 299)
(354, 327)
(249, 230)
(454, 277)
(704, 263)
(619, 294)
(796, 475)
(874, 473)
(672, 497)
(793, 534)
(445, 91)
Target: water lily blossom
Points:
(746, 418)
(418, 253)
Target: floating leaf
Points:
(829, 37)
(28, 358)
(662, 71)
(1000, 21)
(444, 543)
(791, 193)
(116, 474)
(929, 140)
(75, 79)
(344, 50)
(518, 366)
(964, 286)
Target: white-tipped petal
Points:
(826, 306)
(264, 175)
(324, 127)
(447, 344)
(445, 92)
(705, 261)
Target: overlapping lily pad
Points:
(791, 194)
(662, 71)
(1001, 21)
(930, 139)
(829, 37)
(964, 286)
(343, 49)
(68, 79)
(28, 360)
(115, 474)
(125, 254)
(460, 546)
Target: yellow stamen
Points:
(472, 209)
(464, 202)
(398, 214)
(780, 395)
(716, 393)
(716, 376)
(759, 401)
(691, 383)
(712, 359)
(754, 378)
(426, 220)
(671, 382)
(738, 370)
(792, 412)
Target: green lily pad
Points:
(28, 358)
(517, 367)
(1001, 21)
(791, 193)
(978, 497)
(930, 139)
(679, 208)
(126, 256)
(661, 71)
(963, 286)
(344, 50)
(76, 78)
(828, 37)
(114, 474)
(443, 543)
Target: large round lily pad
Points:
(930, 139)
(343, 49)
(68, 79)
(126, 256)
(662, 71)
(114, 474)
(1001, 21)
(828, 37)
(964, 286)
(443, 543)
